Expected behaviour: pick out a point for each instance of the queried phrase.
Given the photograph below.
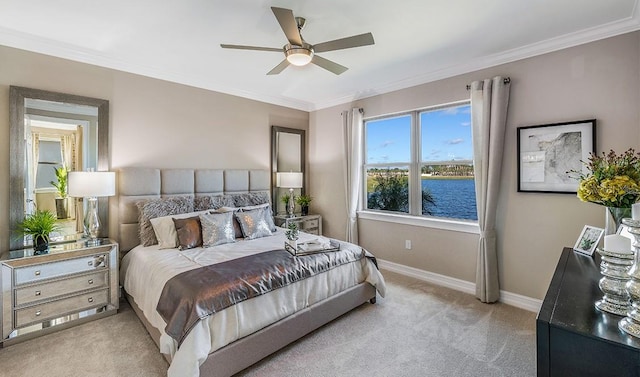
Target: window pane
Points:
(448, 187)
(449, 196)
(388, 189)
(388, 140)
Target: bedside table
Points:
(71, 284)
(309, 224)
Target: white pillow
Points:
(165, 229)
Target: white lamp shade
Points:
(289, 180)
(87, 184)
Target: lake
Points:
(448, 193)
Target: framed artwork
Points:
(547, 153)
(588, 240)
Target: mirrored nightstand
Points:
(309, 224)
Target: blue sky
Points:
(446, 135)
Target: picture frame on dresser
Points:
(588, 240)
(549, 153)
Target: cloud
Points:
(386, 143)
(465, 124)
(455, 141)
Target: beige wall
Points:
(153, 122)
(597, 80)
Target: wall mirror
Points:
(287, 155)
(49, 130)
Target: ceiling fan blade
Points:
(240, 47)
(279, 68)
(288, 24)
(328, 65)
(348, 42)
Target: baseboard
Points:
(513, 299)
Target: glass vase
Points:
(613, 219)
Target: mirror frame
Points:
(17, 96)
(275, 130)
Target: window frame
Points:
(415, 216)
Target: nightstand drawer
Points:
(39, 272)
(310, 224)
(39, 313)
(48, 290)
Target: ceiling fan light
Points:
(299, 56)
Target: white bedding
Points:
(145, 270)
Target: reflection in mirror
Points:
(287, 155)
(50, 132)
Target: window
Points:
(49, 159)
(421, 163)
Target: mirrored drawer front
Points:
(38, 272)
(48, 290)
(310, 224)
(39, 313)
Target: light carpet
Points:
(419, 329)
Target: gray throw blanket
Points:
(199, 293)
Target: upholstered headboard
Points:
(135, 184)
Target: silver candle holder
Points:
(631, 323)
(615, 266)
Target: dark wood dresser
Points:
(573, 337)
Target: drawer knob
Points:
(90, 299)
(37, 273)
(38, 313)
(90, 281)
(37, 293)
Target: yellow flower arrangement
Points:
(613, 180)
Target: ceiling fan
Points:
(298, 52)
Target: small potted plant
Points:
(291, 244)
(304, 201)
(39, 225)
(61, 186)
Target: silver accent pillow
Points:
(253, 223)
(217, 228)
(202, 203)
(250, 199)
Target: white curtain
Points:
(33, 171)
(489, 102)
(353, 154)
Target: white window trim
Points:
(415, 206)
(421, 221)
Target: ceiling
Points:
(416, 41)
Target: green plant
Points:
(304, 200)
(390, 192)
(61, 184)
(285, 199)
(38, 225)
(292, 231)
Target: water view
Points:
(455, 198)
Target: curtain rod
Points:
(505, 81)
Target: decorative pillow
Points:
(250, 199)
(217, 228)
(236, 225)
(202, 203)
(159, 207)
(165, 229)
(267, 214)
(189, 233)
(253, 223)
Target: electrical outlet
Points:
(407, 244)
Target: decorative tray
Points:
(312, 247)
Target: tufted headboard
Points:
(135, 184)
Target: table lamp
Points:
(91, 185)
(291, 180)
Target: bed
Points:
(228, 339)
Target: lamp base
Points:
(291, 207)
